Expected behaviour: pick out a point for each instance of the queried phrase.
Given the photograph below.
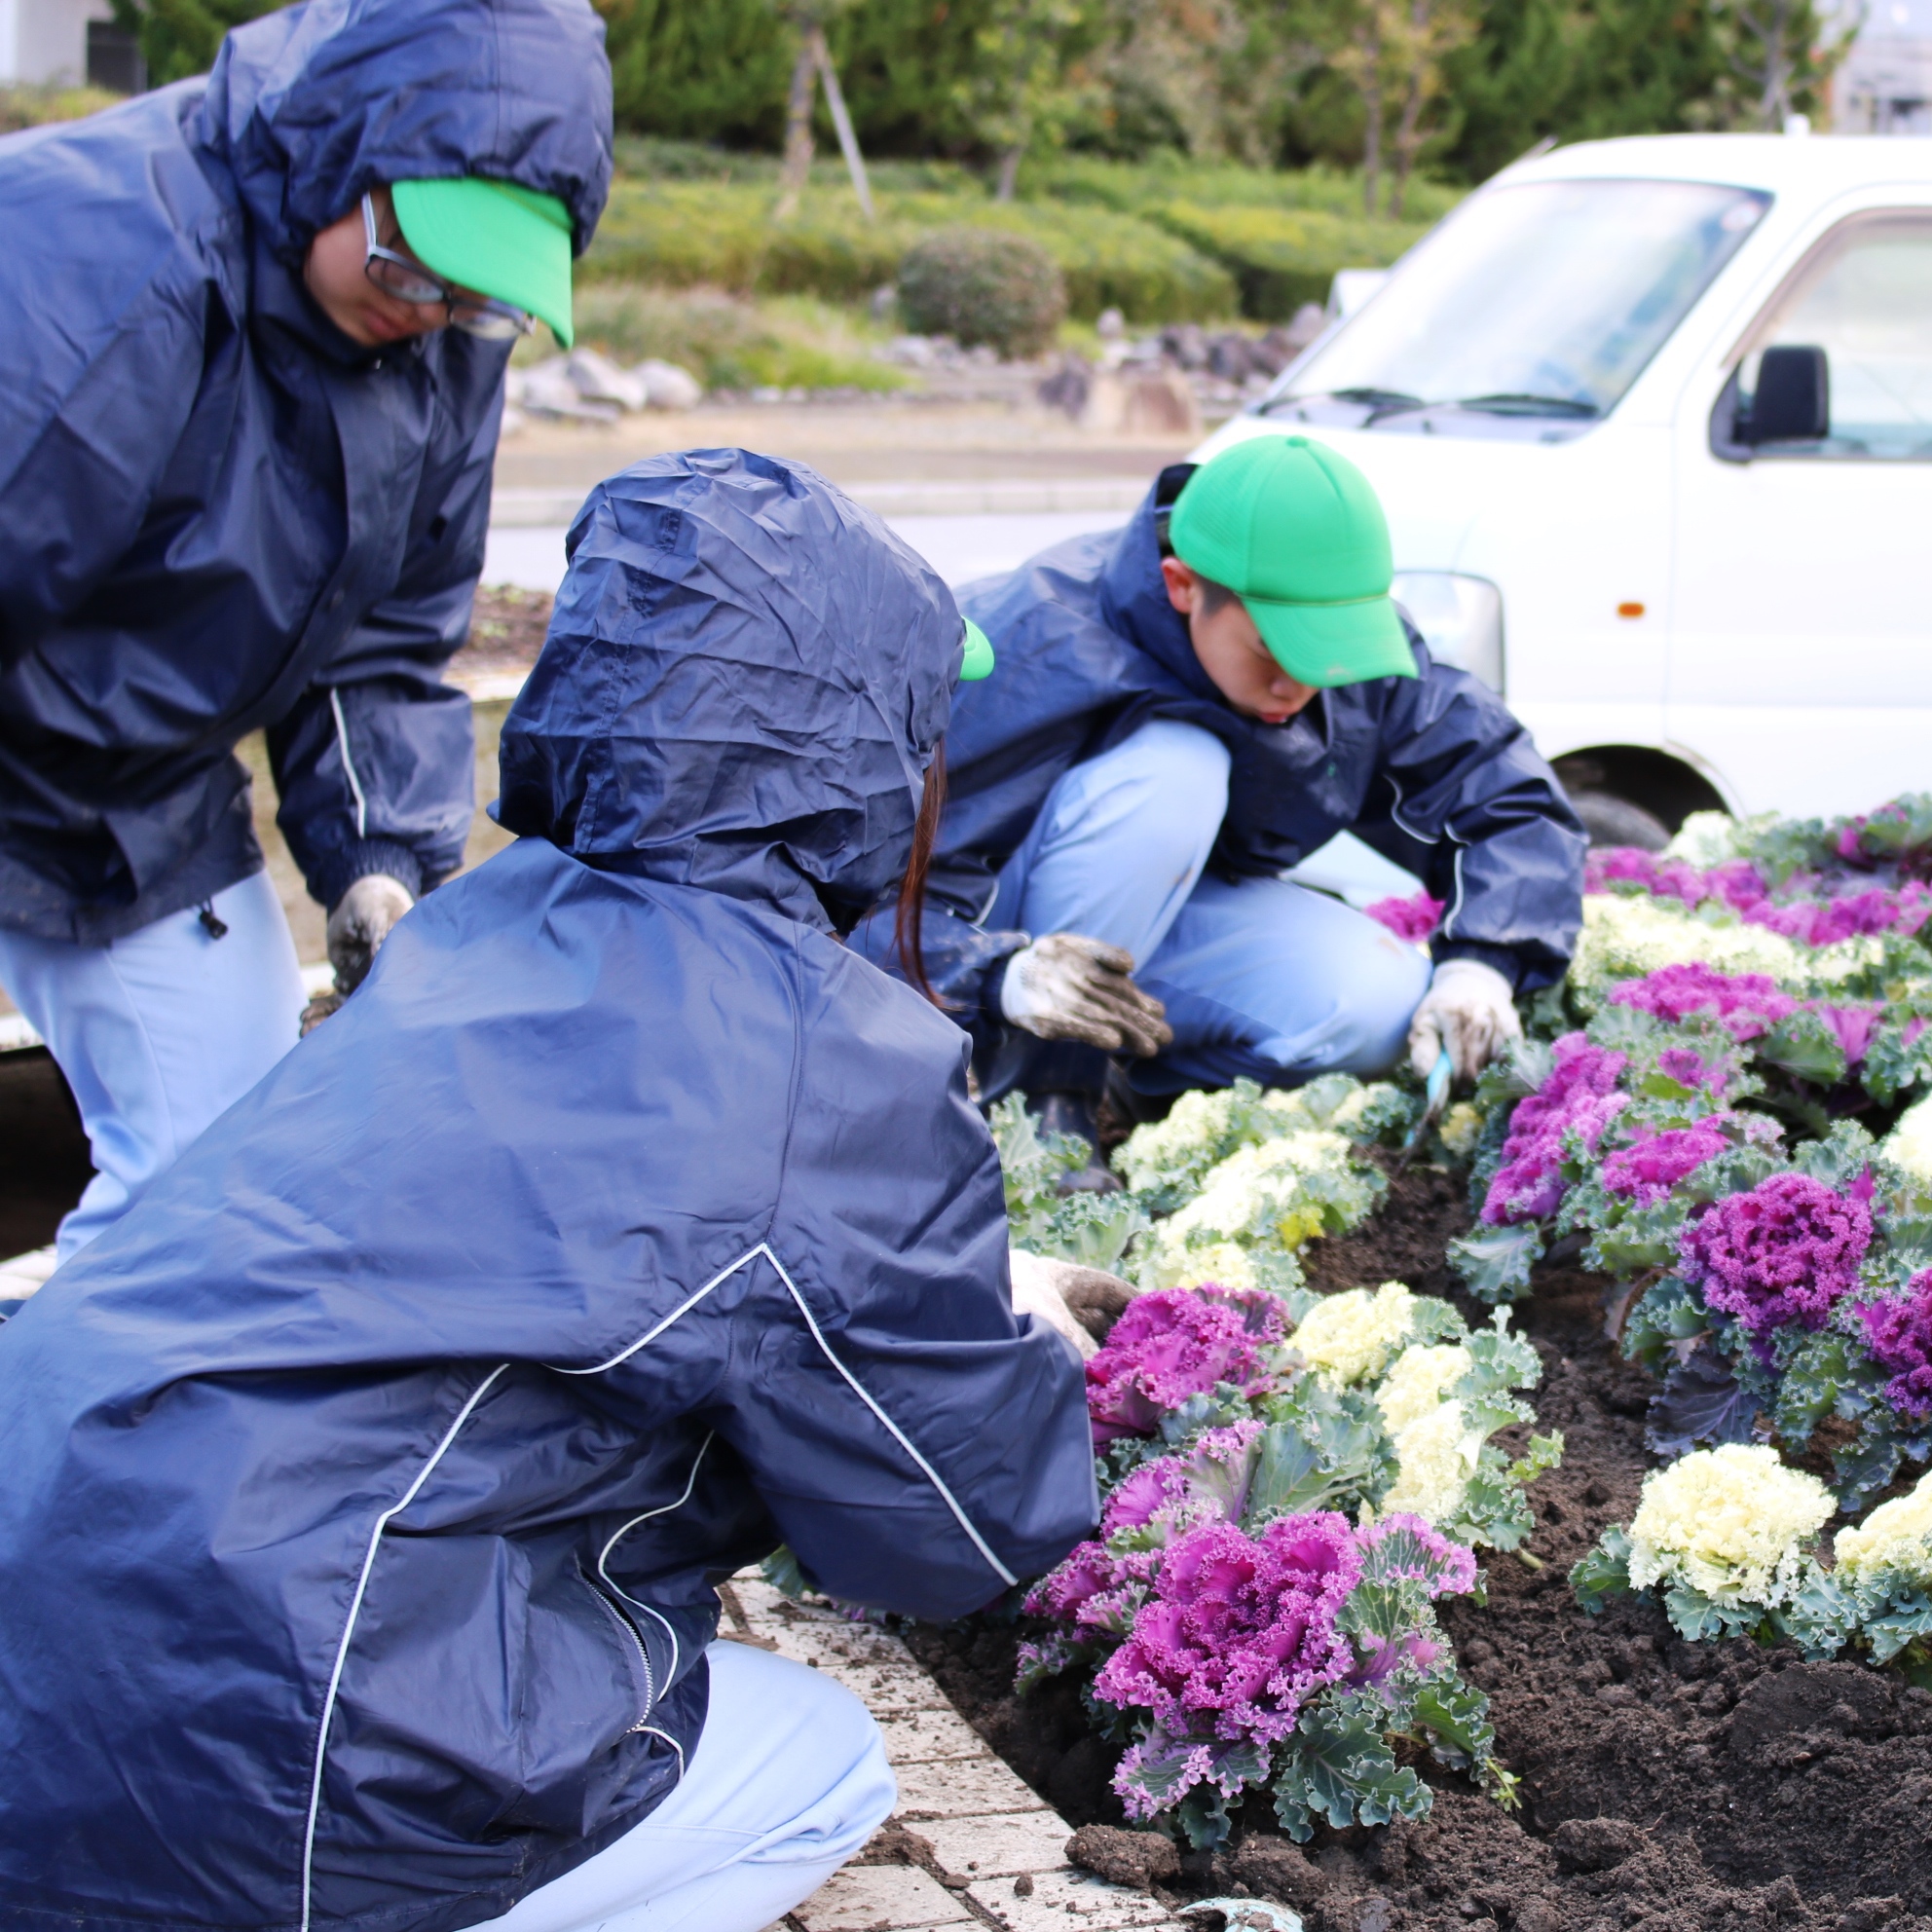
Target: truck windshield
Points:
(1540, 301)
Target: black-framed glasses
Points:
(408, 280)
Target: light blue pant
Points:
(158, 1033)
(1262, 977)
(788, 1781)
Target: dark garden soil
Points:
(1665, 1786)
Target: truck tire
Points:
(1613, 821)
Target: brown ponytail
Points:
(908, 916)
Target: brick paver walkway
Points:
(970, 1844)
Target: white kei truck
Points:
(1651, 420)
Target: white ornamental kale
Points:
(1165, 1163)
(1727, 1538)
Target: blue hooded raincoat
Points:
(1433, 771)
(217, 511)
(367, 1484)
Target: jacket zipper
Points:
(630, 1630)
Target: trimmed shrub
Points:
(687, 233)
(980, 284)
(1283, 257)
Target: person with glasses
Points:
(250, 383)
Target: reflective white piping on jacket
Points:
(349, 763)
(898, 1434)
(651, 1730)
(891, 1428)
(1449, 919)
(1461, 845)
(602, 1556)
(395, 1508)
(1395, 813)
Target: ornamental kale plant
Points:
(1240, 1640)
(1414, 919)
(1237, 1631)
(1728, 1540)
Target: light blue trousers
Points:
(1262, 977)
(158, 1033)
(788, 1781)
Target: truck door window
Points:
(1840, 364)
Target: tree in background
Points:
(1780, 59)
(813, 64)
(1025, 83)
(182, 37)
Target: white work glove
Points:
(1470, 1010)
(359, 924)
(1067, 987)
(1080, 1303)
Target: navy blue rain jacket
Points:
(1433, 771)
(367, 1483)
(217, 511)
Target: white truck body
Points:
(1683, 616)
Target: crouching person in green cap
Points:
(257, 324)
(1185, 709)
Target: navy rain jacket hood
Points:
(217, 513)
(1433, 771)
(368, 1483)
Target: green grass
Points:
(23, 107)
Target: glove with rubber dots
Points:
(357, 929)
(1082, 1304)
(1066, 986)
(1469, 1010)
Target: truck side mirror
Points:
(1793, 404)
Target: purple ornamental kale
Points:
(1785, 1252)
(1100, 1585)
(1899, 1334)
(1580, 1095)
(1854, 1027)
(1648, 1170)
(1240, 1630)
(1413, 919)
(1175, 1343)
(1801, 914)
(1748, 1003)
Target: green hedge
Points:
(1283, 257)
(681, 234)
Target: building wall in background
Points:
(43, 41)
(1886, 84)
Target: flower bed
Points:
(1700, 1681)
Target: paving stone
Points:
(1007, 1843)
(962, 1788)
(1068, 1901)
(917, 1738)
(880, 1898)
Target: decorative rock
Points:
(668, 385)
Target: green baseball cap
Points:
(1293, 529)
(505, 241)
(978, 659)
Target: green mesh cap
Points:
(978, 662)
(501, 241)
(1293, 529)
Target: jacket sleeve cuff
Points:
(360, 857)
(1501, 957)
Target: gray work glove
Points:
(359, 924)
(1068, 987)
(1082, 1304)
(1471, 1011)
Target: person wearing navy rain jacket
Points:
(1186, 709)
(369, 1480)
(250, 382)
